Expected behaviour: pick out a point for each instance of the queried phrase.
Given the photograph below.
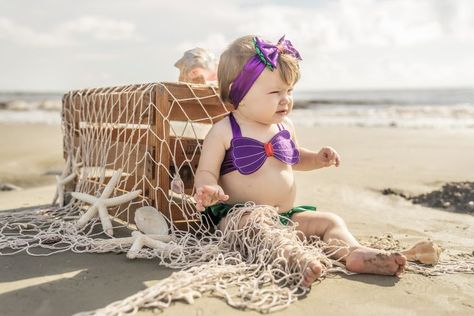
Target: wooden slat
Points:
(70, 117)
(186, 156)
(132, 107)
(208, 108)
(124, 135)
(183, 91)
(161, 153)
(184, 213)
(127, 183)
(70, 124)
(67, 120)
(208, 113)
(132, 158)
(175, 205)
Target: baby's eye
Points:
(274, 92)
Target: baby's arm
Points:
(208, 192)
(310, 160)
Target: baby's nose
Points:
(285, 100)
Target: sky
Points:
(58, 45)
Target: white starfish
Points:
(152, 241)
(187, 294)
(100, 204)
(72, 166)
(136, 243)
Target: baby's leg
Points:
(332, 230)
(312, 267)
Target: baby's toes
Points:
(401, 261)
(312, 273)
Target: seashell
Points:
(177, 185)
(150, 221)
(424, 251)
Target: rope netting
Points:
(135, 146)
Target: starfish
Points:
(136, 243)
(100, 204)
(187, 294)
(71, 166)
(151, 241)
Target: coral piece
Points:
(69, 173)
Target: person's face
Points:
(207, 74)
(269, 100)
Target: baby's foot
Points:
(374, 261)
(312, 272)
(310, 267)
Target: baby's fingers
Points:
(200, 207)
(199, 197)
(338, 160)
(208, 190)
(222, 196)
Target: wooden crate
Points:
(155, 141)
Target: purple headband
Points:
(266, 56)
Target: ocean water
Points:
(408, 108)
(414, 108)
(30, 107)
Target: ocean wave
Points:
(401, 97)
(30, 117)
(436, 116)
(22, 105)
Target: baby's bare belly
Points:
(273, 184)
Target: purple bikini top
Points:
(247, 155)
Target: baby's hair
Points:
(195, 58)
(233, 59)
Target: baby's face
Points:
(269, 100)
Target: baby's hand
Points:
(327, 157)
(209, 195)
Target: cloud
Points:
(99, 28)
(69, 33)
(344, 43)
(215, 42)
(28, 36)
(341, 25)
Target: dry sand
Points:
(412, 160)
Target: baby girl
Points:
(251, 154)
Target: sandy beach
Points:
(409, 160)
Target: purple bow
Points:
(269, 53)
(249, 154)
(266, 56)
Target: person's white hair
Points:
(195, 58)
